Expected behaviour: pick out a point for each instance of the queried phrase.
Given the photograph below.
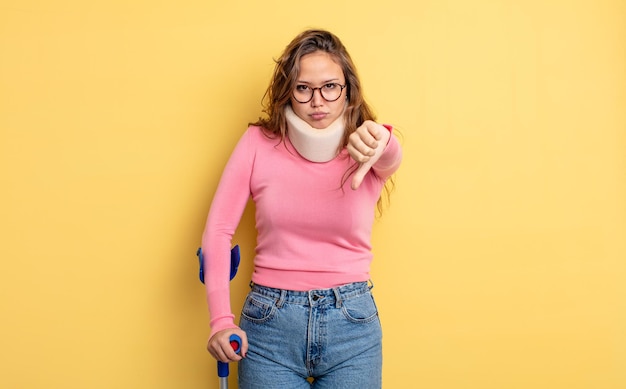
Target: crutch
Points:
(235, 340)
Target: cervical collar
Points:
(315, 145)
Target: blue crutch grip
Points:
(222, 367)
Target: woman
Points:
(315, 168)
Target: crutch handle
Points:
(235, 343)
(222, 367)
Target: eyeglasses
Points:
(329, 92)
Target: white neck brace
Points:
(315, 145)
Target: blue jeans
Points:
(331, 335)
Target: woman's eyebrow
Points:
(323, 82)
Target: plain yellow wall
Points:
(499, 264)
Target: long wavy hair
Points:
(279, 92)
(283, 82)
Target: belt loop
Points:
(371, 284)
(251, 284)
(337, 297)
(281, 299)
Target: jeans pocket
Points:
(360, 309)
(258, 308)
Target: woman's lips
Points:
(318, 115)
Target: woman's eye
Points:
(330, 86)
(302, 88)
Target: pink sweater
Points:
(312, 234)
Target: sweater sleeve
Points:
(225, 213)
(390, 160)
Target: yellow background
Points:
(501, 262)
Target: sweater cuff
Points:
(222, 323)
(389, 128)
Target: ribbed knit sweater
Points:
(312, 232)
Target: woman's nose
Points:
(317, 99)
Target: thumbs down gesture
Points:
(365, 146)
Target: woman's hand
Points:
(219, 345)
(366, 145)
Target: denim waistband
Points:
(316, 296)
